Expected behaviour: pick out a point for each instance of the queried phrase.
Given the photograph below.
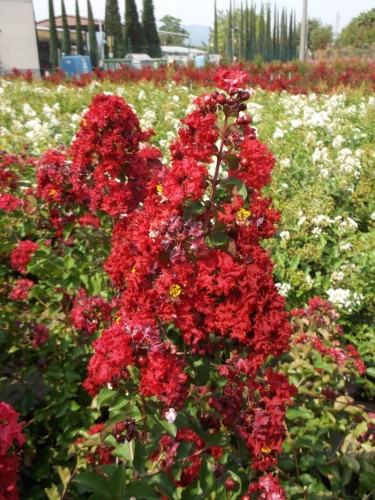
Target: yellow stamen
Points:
(134, 270)
(266, 450)
(159, 188)
(52, 192)
(175, 291)
(243, 214)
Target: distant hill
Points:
(199, 35)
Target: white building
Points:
(18, 42)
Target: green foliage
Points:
(134, 36)
(327, 451)
(65, 46)
(53, 40)
(360, 32)
(93, 43)
(80, 45)
(150, 29)
(114, 28)
(171, 24)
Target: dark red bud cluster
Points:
(125, 430)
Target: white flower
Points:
(283, 288)
(176, 98)
(285, 235)
(337, 276)
(345, 247)
(170, 415)
(316, 232)
(278, 134)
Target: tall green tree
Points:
(114, 28)
(134, 36)
(150, 30)
(230, 48)
(53, 40)
(170, 24)
(216, 31)
(79, 42)
(66, 49)
(93, 43)
(360, 32)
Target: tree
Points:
(319, 35)
(114, 28)
(216, 32)
(172, 24)
(134, 36)
(93, 43)
(230, 48)
(360, 32)
(80, 46)
(66, 33)
(150, 30)
(53, 40)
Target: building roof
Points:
(181, 51)
(71, 20)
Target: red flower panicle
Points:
(190, 257)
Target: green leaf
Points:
(351, 463)
(105, 395)
(219, 238)
(370, 371)
(141, 490)
(118, 482)
(299, 412)
(241, 188)
(90, 481)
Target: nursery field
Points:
(127, 269)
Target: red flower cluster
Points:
(89, 313)
(190, 256)
(21, 255)
(109, 168)
(11, 438)
(21, 289)
(318, 327)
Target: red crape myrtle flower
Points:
(21, 255)
(11, 438)
(190, 256)
(109, 168)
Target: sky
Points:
(338, 13)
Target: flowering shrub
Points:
(199, 314)
(172, 418)
(329, 449)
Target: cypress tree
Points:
(150, 30)
(66, 33)
(291, 37)
(241, 49)
(247, 33)
(253, 31)
(114, 28)
(134, 37)
(262, 30)
(216, 32)
(283, 36)
(53, 40)
(80, 47)
(267, 35)
(230, 34)
(93, 43)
